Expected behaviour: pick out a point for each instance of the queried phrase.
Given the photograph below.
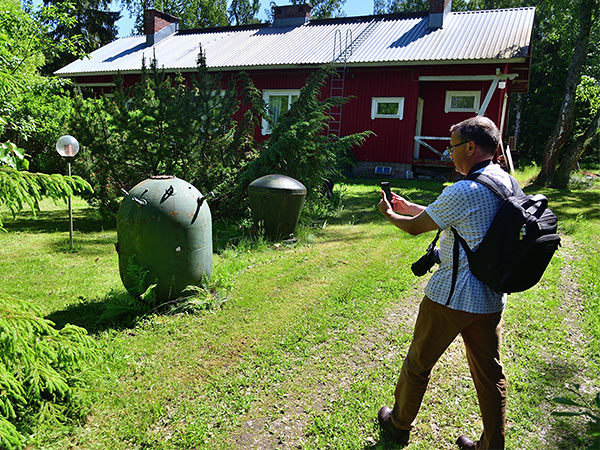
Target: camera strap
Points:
(437, 236)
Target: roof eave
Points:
(310, 66)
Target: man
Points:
(472, 310)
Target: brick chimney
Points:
(158, 25)
(438, 10)
(291, 15)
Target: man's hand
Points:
(384, 206)
(399, 205)
(402, 206)
(420, 222)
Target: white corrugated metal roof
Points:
(471, 36)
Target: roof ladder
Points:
(341, 53)
(338, 79)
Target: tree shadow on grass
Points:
(85, 220)
(361, 208)
(563, 434)
(118, 310)
(568, 204)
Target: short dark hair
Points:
(481, 130)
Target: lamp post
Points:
(67, 147)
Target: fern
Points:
(39, 368)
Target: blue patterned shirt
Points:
(468, 207)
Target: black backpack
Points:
(518, 245)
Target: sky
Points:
(351, 7)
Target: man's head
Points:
(472, 141)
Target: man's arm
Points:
(420, 222)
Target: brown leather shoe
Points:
(391, 432)
(465, 443)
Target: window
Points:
(462, 101)
(278, 103)
(387, 108)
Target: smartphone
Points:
(385, 187)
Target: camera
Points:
(426, 262)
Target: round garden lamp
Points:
(67, 147)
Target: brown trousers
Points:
(437, 326)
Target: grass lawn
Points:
(309, 341)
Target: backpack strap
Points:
(454, 265)
(495, 186)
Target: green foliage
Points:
(299, 145)
(143, 287)
(39, 370)
(125, 308)
(33, 108)
(192, 14)
(588, 102)
(321, 9)
(21, 188)
(92, 26)
(195, 299)
(12, 156)
(583, 407)
(166, 125)
(243, 12)
(588, 93)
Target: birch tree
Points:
(566, 116)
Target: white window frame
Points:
(450, 94)
(375, 101)
(267, 93)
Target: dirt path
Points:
(287, 431)
(571, 309)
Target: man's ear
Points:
(471, 148)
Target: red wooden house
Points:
(411, 75)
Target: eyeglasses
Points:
(451, 148)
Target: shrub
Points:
(300, 146)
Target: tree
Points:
(192, 14)
(397, 6)
(321, 9)
(34, 109)
(40, 370)
(379, 7)
(588, 93)
(93, 27)
(243, 12)
(19, 188)
(566, 116)
(166, 124)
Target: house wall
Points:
(392, 136)
(393, 141)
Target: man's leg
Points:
(482, 340)
(435, 329)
